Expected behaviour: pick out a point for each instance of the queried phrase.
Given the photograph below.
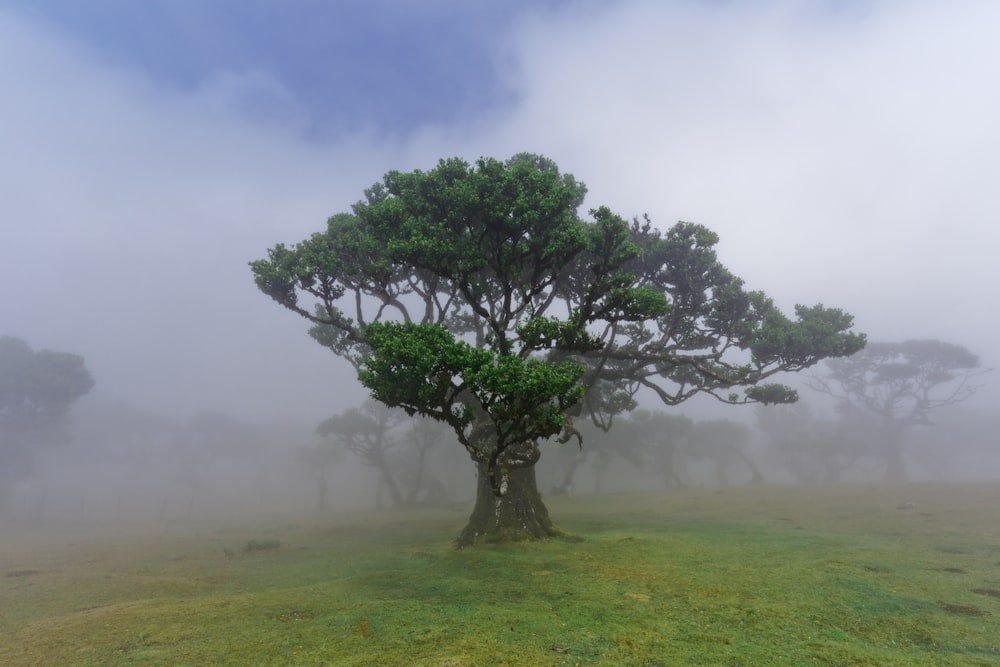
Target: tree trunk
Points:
(321, 494)
(518, 515)
(895, 466)
(566, 486)
(390, 482)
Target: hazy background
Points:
(846, 152)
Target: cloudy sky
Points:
(847, 153)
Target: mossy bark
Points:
(516, 516)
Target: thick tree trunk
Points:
(518, 515)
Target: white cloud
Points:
(848, 158)
(844, 158)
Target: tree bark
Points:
(518, 515)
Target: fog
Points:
(847, 154)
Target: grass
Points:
(752, 576)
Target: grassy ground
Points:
(753, 576)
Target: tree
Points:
(478, 296)
(660, 439)
(813, 449)
(901, 384)
(426, 435)
(37, 389)
(317, 459)
(366, 433)
(722, 443)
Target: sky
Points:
(846, 153)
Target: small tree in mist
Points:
(663, 439)
(317, 459)
(425, 436)
(722, 443)
(367, 432)
(902, 384)
(37, 389)
(477, 295)
(602, 448)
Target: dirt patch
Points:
(962, 609)
(952, 570)
(21, 573)
(992, 592)
(364, 628)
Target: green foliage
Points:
(772, 394)
(423, 368)
(478, 295)
(37, 388)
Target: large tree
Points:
(902, 384)
(37, 389)
(478, 295)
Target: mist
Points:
(846, 154)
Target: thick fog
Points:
(846, 154)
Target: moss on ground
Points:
(747, 576)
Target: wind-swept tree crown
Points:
(477, 294)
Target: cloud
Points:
(846, 157)
(130, 211)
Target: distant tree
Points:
(814, 449)
(426, 435)
(902, 384)
(37, 389)
(317, 460)
(661, 440)
(197, 447)
(367, 432)
(602, 448)
(478, 296)
(723, 443)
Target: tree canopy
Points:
(478, 295)
(902, 384)
(36, 391)
(903, 381)
(37, 387)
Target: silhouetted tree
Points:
(813, 449)
(37, 389)
(723, 443)
(426, 435)
(902, 384)
(478, 296)
(367, 433)
(317, 460)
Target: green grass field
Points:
(751, 576)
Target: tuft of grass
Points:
(741, 576)
(259, 545)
